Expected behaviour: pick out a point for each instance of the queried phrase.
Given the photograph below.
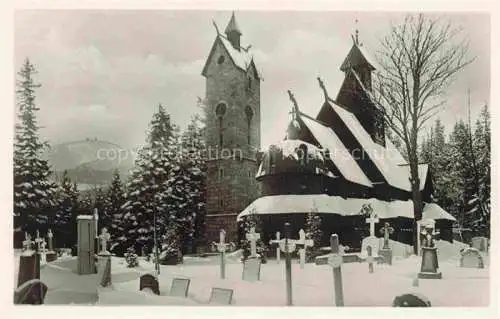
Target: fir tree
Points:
(313, 231)
(65, 219)
(482, 149)
(35, 195)
(114, 202)
(146, 201)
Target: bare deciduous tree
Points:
(418, 60)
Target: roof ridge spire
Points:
(295, 109)
(232, 26)
(323, 87)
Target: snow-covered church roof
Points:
(324, 204)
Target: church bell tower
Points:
(232, 111)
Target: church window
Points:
(221, 173)
(221, 203)
(220, 60)
(249, 115)
(220, 111)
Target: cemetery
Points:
(446, 274)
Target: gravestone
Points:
(221, 296)
(27, 267)
(288, 246)
(149, 281)
(86, 249)
(222, 247)
(369, 259)
(411, 300)
(276, 242)
(386, 251)
(335, 261)
(104, 269)
(480, 243)
(430, 266)
(180, 287)
(471, 258)
(251, 269)
(32, 292)
(51, 254)
(303, 243)
(253, 237)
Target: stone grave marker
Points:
(386, 252)
(480, 243)
(150, 282)
(104, 260)
(43, 251)
(104, 237)
(253, 237)
(430, 266)
(180, 287)
(303, 243)
(251, 269)
(276, 242)
(471, 258)
(372, 220)
(51, 254)
(411, 300)
(369, 259)
(27, 267)
(32, 292)
(288, 246)
(221, 296)
(335, 261)
(222, 247)
(85, 247)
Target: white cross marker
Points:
(38, 240)
(304, 243)
(372, 221)
(277, 241)
(27, 242)
(105, 236)
(50, 235)
(221, 247)
(252, 236)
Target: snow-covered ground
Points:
(312, 286)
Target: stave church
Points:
(331, 163)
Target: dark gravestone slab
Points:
(149, 281)
(27, 267)
(386, 255)
(104, 270)
(221, 296)
(180, 287)
(471, 258)
(430, 266)
(51, 256)
(251, 269)
(31, 292)
(411, 300)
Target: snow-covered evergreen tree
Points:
(313, 231)
(35, 195)
(482, 149)
(65, 218)
(114, 213)
(146, 200)
(100, 202)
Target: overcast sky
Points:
(104, 72)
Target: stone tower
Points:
(232, 110)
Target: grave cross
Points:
(252, 236)
(50, 235)
(288, 263)
(27, 241)
(38, 240)
(221, 247)
(372, 220)
(278, 242)
(105, 236)
(369, 258)
(335, 261)
(304, 244)
(386, 231)
(430, 236)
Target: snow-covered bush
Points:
(131, 258)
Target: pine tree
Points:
(313, 231)
(65, 219)
(146, 200)
(35, 195)
(113, 212)
(482, 149)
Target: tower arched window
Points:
(249, 116)
(220, 111)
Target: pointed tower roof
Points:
(232, 26)
(356, 57)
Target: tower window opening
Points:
(220, 60)
(220, 111)
(221, 173)
(249, 115)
